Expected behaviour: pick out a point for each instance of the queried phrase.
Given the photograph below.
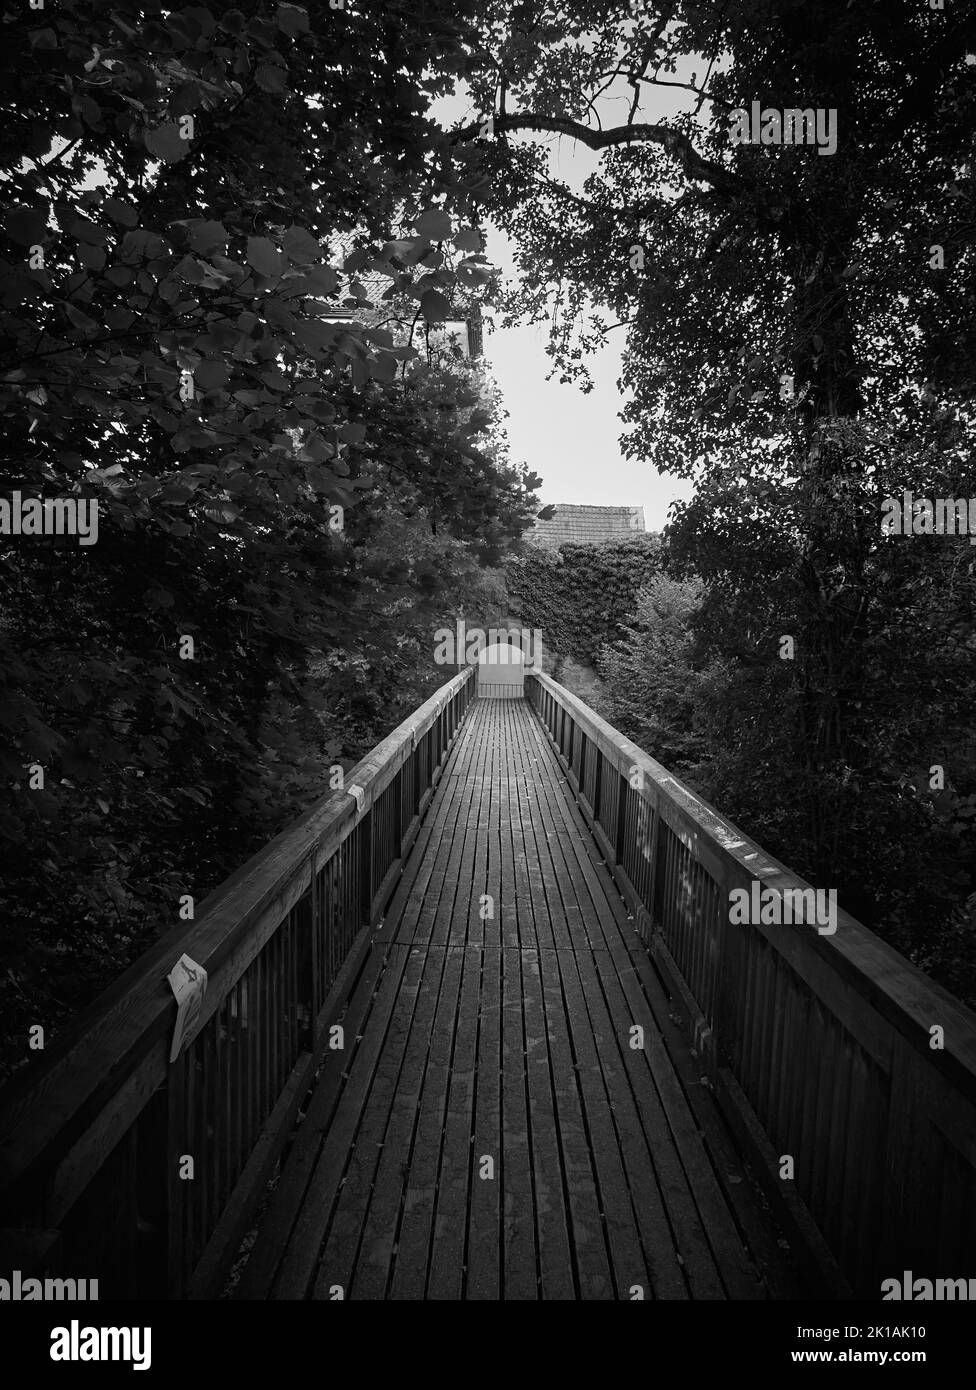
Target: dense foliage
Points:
(653, 684)
(580, 596)
(290, 502)
(177, 185)
(801, 340)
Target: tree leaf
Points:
(300, 246)
(263, 256)
(468, 239)
(28, 226)
(211, 374)
(292, 20)
(434, 224)
(166, 143)
(92, 257)
(270, 77)
(122, 212)
(222, 511)
(80, 319)
(315, 334)
(473, 276)
(207, 235)
(435, 306)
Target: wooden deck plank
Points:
(528, 872)
(447, 1254)
(630, 966)
(259, 1274)
(664, 1261)
(714, 1227)
(468, 925)
(508, 1036)
(615, 1196)
(555, 1265)
(484, 1206)
(416, 1227)
(435, 852)
(588, 1239)
(520, 1278)
(337, 1262)
(374, 1258)
(298, 1267)
(552, 1224)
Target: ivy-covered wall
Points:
(581, 596)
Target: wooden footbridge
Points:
(480, 1027)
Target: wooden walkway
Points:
(488, 1131)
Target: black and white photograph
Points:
(487, 677)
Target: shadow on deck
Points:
(515, 1113)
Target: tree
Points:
(652, 678)
(778, 301)
(176, 183)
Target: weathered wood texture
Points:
(819, 1046)
(488, 1130)
(93, 1138)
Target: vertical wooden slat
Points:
(366, 865)
(176, 1109)
(218, 1149)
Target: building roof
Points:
(586, 525)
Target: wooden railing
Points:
(828, 1049)
(117, 1165)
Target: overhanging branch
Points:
(695, 165)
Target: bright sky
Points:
(568, 438)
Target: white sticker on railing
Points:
(188, 981)
(358, 795)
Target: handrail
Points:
(820, 1047)
(95, 1138)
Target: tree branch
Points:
(695, 165)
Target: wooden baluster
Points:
(365, 831)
